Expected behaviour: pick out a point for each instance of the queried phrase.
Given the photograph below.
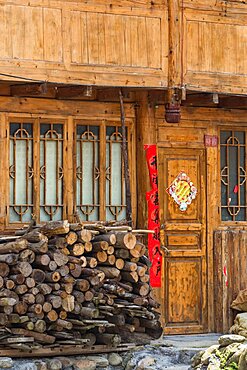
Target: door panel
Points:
(183, 236)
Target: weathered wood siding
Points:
(230, 265)
(90, 42)
(215, 46)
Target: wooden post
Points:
(126, 162)
(174, 62)
(146, 134)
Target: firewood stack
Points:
(75, 284)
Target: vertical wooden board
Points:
(5, 29)
(76, 37)
(218, 307)
(93, 38)
(111, 39)
(243, 259)
(127, 40)
(34, 33)
(53, 47)
(193, 45)
(184, 295)
(120, 40)
(134, 41)
(154, 47)
(235, 265)
(17, 31)
(241, 50)
(102, 41)
(142, 42)
(218, 47)
(3, 169)
(84, 42)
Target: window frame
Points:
(69, 153)
(232, 129)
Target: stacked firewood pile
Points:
(75, 284)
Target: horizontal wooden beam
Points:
(33, 89)
(239, 102)
(199, 100)
(70, 92)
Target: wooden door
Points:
(184, 291)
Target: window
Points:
(233, 175)
(40, 180)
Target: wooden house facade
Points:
(182, 67)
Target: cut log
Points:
(110, 238)
(10, 284)
(21, 308)
(91, 262)
(138, 251)
(28, 298)
(39, 337)
(60, 259)
(71, 238)
(92, 313)
(63, 270)
(119, 263)
(55, 300)
(130, 276)
(52, 266)
(122, 253)
(68, 303)
(79, 296)
(55, 228)
(141, 289)
(110, 249)
(40, 247)
(64, 324)
(13, 247)
(110, 272)
(76, 272)
(38, 275)
(21, 289)
(40, 326)
(18, 279)
(52, 316)
(27, 256)
(78, 249)
(88, 247)
(52, 277)
(82, 285)
(42, 260)
(44, 289)
(144, 278)
(47, 307)
(84, 235)
(35, 236)
(109, 339)
(10, 259)
(88, 295)
(30, 282)
(130, 266)
(23, 268)
(35, 308)
(124, 239)
(100, 246)
(100, 256)
(40, 299)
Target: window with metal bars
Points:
(233, 175)
(39, 174)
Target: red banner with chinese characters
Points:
(153, 217)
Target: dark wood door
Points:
(183, 234)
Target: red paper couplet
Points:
(153, 217)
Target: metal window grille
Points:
(233, 175)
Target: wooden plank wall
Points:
(90, 42)
(230, 265)
(215, 45)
